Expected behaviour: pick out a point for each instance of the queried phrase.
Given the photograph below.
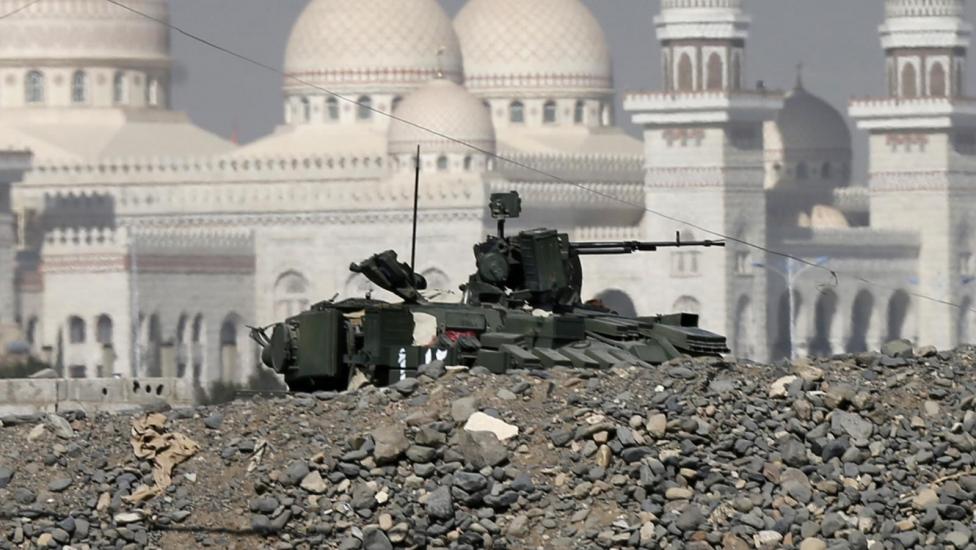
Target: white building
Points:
(140, 236)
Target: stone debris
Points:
(864, 451)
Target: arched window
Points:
(290, 294)
(468, 160)
(549, 112)
(823, 321)
(34, 87)
(396, 103)
(364, 110)
(516, 112)
(103, 330)
(79, 87)
(937, 81)
(76, 330)
(306, 109)
(802, 172)
(686, 80)
(861, 313)
(714, 80)
(152, 92)
(618, 301)
(825, 171)
(579, 112)
(332, 108)
(442, 163)
(909, 84)
(118, 88)
(898, 307)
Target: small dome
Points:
(808, 123)
(372, 45)
(533, 46)
(448, 109)
(62, 31)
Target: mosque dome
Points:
(543, 46)
(64, 31)
(445, 108)
(372, 45)
(808, 123)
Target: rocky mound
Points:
(865, 451)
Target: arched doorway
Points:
(823, 321)
(909, 84)
(861, 313)
(290, 295)
(742, 342)
(715, 70)
(898, 307)
(618, 301)
(686, 79)
(152, 340)
(230, 348)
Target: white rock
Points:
(779, 387)
(313, 483)
(481, 422)
(128, 517)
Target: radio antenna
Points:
(416, 200)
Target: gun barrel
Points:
(629, 247)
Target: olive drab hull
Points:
(521, 310)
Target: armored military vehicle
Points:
(521, 309)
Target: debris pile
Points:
(872, 450)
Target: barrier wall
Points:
(29, 396)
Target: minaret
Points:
(704, 164)
(922, 165)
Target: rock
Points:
(657, 425)
(482, 449)
(853, 424)
(813, 544)
(925, 498)
(767, 539)
(264, 505)
(481, 422)
(213, 421)
(518, 527)
(897, 348)
(59, 484)
(470, 482)
(679, 493)
(376, 539)
(46, 539)
(689, 519)
(36, 433)
(959, 538)
(59, 426)
(261, 524)
(732, 542)
(603, 456)
(780, 388)
(830, 524)
(839, 395)
(635, 454)
(313, 483)
(126, 518)
(434, 369)
(295, 473)
(506, 395)
(463, 408)
(6, 474)
(796, 484)
(406, 387)
(440, 505)
(390, 443)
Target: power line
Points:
(20, 9)
(835, 275)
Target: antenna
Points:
(416, 200)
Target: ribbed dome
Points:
(372, 45)
(533, 45)
(808, 123)
(448, 109)
(64, 30)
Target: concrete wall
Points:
(28, 396)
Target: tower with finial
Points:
(703, 139)
(923, 156)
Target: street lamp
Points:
(793, 270)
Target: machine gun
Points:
(541, 267)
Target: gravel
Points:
(850, 452)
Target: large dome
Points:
(372, 45)
(808, 123)
(447, 109)
(62, 31)
(547, 46)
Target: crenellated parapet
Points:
(577, 168)
(701, 4)
(82, 241)
(924, 8)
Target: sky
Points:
(835, 40)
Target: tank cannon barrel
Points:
(629, 247)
